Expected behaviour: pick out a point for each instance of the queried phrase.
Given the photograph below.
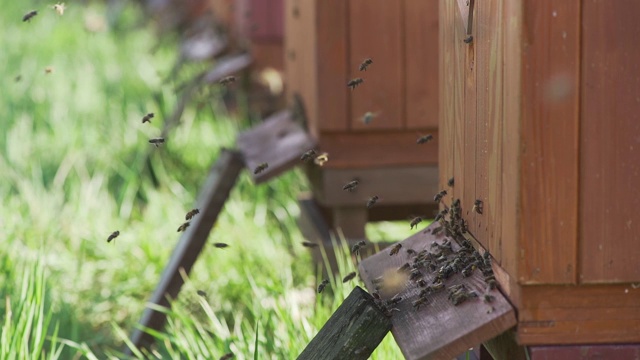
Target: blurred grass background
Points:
(73, 169)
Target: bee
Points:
(365, 64)
(201, 293)
(436, 230)
(404, 267)
(415, 222)
(450, 182)
(439, 196)
(59, 8)
(488, 298)
(492, 283)
(28, 16)
(191, 214)
(227, 356)
(367, 118)
(466, 272)
(113, 236)
(360, 244)
(349, 277)
(184, 226)
(260, 168)
(322, 285)
(18, 78)
(157, 141)
(468, 39)
(415, 275)
(477, 206)
(394, 300)
(309, 244)
(227, 80)
(411, 252)
(424, 139)
(372, 201)
(321, 159)
(48, 70)
(309, 155)
(420, 302)
(147, 118)
(395, 249)
(351, 185)
(220, 245)
(354, 83)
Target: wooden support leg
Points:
(353, 331)
(351, 221)
(600, 351)
(212, 197)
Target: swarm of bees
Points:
(113, 236)
(227, 80)
(354, 83)
(365, 64)
(147, 118)
(260, 168)
(28, 16)
(157, 141)
(424, 139)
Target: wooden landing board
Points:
(228, 65)
(438, 330)
(213, 195)
(279, 141)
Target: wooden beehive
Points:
(325, 43)
(540, 119)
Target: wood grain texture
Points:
(211, 200)
(421, 75)
(459, 111)
(447, 68)
(278, 141)
(585, 352)
(354, 330)
(378, 149)
(579, 314)
(489, 45)
(549, 164)
(438, 330)
(376, 32)
(610, 143)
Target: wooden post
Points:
(213, 195)
(352, 332)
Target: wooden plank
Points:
(394, 185)
(378, 149)
(610, 144)
(278, 141)
(549, 167)
(488, 42)
(383, 88)
(421, 75)
(447, 86)
(466, 9)
(627, 351)
(438, 330)
(460, 66)
(213, 194)
(354, 330)
(332, 32)
(579, 314)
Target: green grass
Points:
(73, 168)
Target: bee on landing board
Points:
(227, 80)
(147, 118)
(322, 285)
(309, 155)
(354, 83)
(350, 186)
(220, 245)
(349, 277)
(157, 141)
(260, 168)
(191, 214)
(395, 249)
(28, 16)
(374, 199)
(113, 236)
(424, 139)
(365, 64)
(184, 226)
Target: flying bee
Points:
(360, 244)
(147, 118)
(322, 285)
(157, 141)
(201, 293)
(365, 64)
(18, 78)
(439, 196)
(321, 159)
(227, 80)
(395, 249)
(113, 236)
(450, 182)
(59, 8)
(468, 39)
(414, 223)
(309, 155)
(424, 139)
(477, 206)
(48, 70)
(349, 277)
(191, 214)
(260, 168)
(220, 245)
(372, 201)
(309, 244)
(351, 185)
(184, 226)
(367, 118)
(28, 16)
(354, 83)
(227, 356)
